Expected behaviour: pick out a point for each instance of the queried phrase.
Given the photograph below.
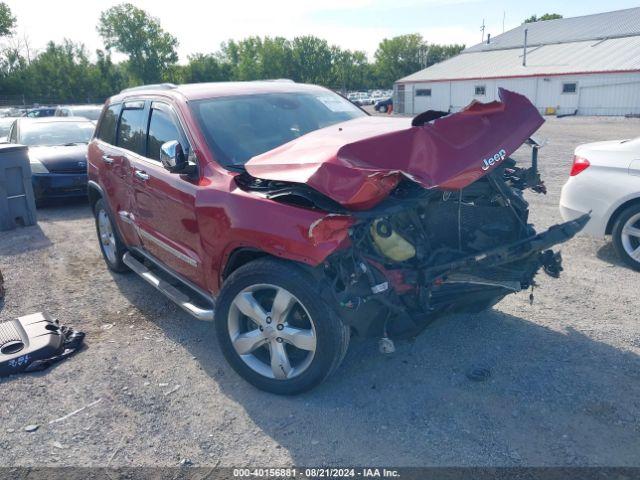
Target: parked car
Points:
(90, 112)
(605, 180)
(304, 220)
(384, 106)
(41, 112)
(5, 125)
(57, 153)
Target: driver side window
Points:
(162, 128)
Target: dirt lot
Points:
(564, 386)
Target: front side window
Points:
(238, 128)
(55, 133)
(131, 130)
(481, 90)
(107, 127)
(161, 129)
(569, 87)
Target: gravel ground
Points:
(564, 386)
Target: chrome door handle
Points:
(107, 159)
(142, 175)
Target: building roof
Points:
(619, 23)
(605, 42)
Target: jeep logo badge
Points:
(489, 162)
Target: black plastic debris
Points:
(34, 342)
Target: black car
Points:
(57, 153)
(384, 105)
(39, 112)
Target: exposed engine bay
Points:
(421, 252)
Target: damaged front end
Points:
(424, 253)
(445, 228)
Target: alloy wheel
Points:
(630, 237)
(271, 331)
(107, 237)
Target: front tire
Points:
(275, 330)
(626, 236)
(111, 245)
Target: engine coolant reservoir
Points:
(390, 244)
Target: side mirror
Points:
(172, 156)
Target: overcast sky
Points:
(201, 26)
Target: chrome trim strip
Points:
(128, 218)
(167, 247)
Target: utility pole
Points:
(423, 56)
(482, 27)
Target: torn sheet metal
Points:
(358, 162)
(34, 342)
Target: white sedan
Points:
(605, 180)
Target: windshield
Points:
(55, 133)
(240, 127)
(92, 113)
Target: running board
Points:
(171, 292)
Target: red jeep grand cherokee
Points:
(293, 219)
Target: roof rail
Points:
(153, 86)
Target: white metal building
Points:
(589, 65)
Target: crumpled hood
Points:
(358, 162)
(61, 158)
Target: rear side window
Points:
(161, 129)
(131, 130)
(107, 130)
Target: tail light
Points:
(579, 164)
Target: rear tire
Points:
(275, 330)
(111, 246)
(626, 236)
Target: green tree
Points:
(7, 20)
(546, 16)
(61, 72)
(437, 53)
(351, 70)
(276, 58)
(132, 31)
(311, 60)
(206, 68)
(106, 77)
(398, 57)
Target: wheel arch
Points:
(94, 192)
(239, 257)
(618, 211)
